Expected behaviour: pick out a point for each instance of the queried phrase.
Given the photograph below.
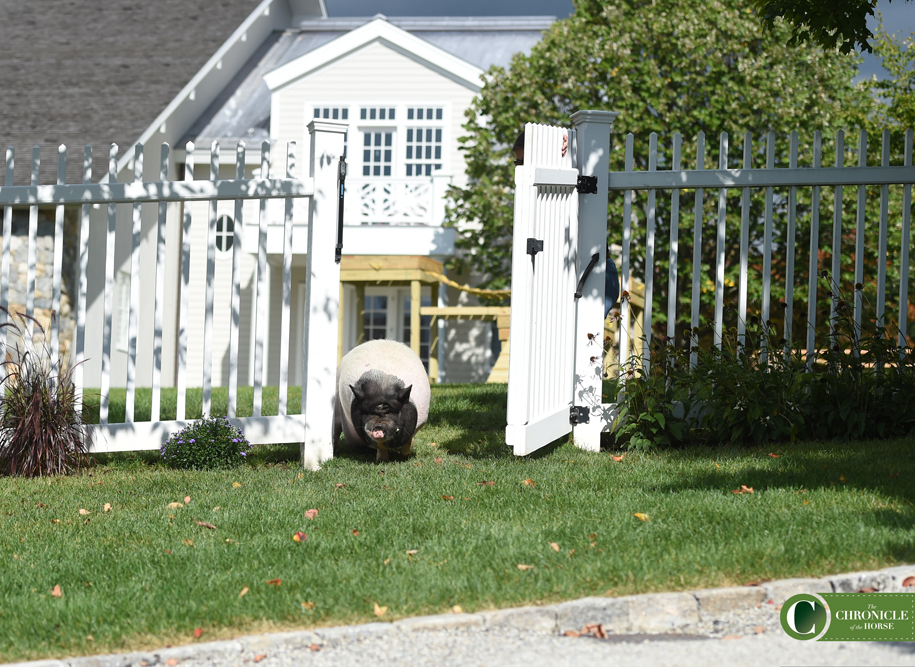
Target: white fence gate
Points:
(312, 428)
(548, 386)
(554, 372)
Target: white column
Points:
(593, 138)
(322, 294)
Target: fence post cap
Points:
(594, 116)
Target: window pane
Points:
(438, 114)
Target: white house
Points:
(403, 85)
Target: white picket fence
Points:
(313, 427)
(542, 390)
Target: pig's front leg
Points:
(381, 455)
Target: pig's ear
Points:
(404, 395)
(357, 392)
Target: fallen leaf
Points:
(730, 637)
(339, 486)
(774, 456)
(311, 514)
(447, 497)
(198, 632)
(457, 609)
(618, 458)
(571, 633)
(174, 506)
(56, 592)
(418, 463)
(743, 489)
(259, 657)
(300, 536)
(411, 552)
(806, 502)
(314, 647)
(190, 543)
(235, 485)
(554, 546)
(205, 525)
(486, 482)
(218, 507)
(308, 605)
(355, 532)
(39, 504)
(187, 499)
(244, 592)
(592, 536)
(106, 507)
(168, 551)
(867, 589)
(595, 630)
(641, 517)
(380, 611)
(760, 629)
(522, 566)
(84, 512)
(55, 520)
(717, 466)
(228, 541)
(171, 662)
(432, 444)
(528, 482)
(387, 560)
(801, 491)
(894, 474)
(273, 582)
(842, 479)
(908, 581)
(88, 584)
(438, 460)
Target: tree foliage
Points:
(897, 106)
(666, 66)
(837, 23)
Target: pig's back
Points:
(393, 358)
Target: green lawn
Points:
(145, 575)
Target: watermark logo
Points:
(850, 617)
(805, 616)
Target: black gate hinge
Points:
(578, 414)
(587, 185)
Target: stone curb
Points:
(652, 613)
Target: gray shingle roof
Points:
(87, 72)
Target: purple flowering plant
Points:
(212, 442)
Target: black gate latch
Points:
(578, 414)
(587, 185)
(533, 247)
(341, 175)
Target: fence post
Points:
(322, 295)
(593, 139)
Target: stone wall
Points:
(44, 273)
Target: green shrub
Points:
(206, 444)
(757, 388)
(41, 422)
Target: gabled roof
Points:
(378, 30)
(242, 110)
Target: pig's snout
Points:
(381, 430)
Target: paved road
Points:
(515, 648)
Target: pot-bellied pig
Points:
(382, 397)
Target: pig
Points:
(382, 398)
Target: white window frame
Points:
(399, 126)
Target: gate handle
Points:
(341, 174)
(584, 276)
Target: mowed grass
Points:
(143, 575)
